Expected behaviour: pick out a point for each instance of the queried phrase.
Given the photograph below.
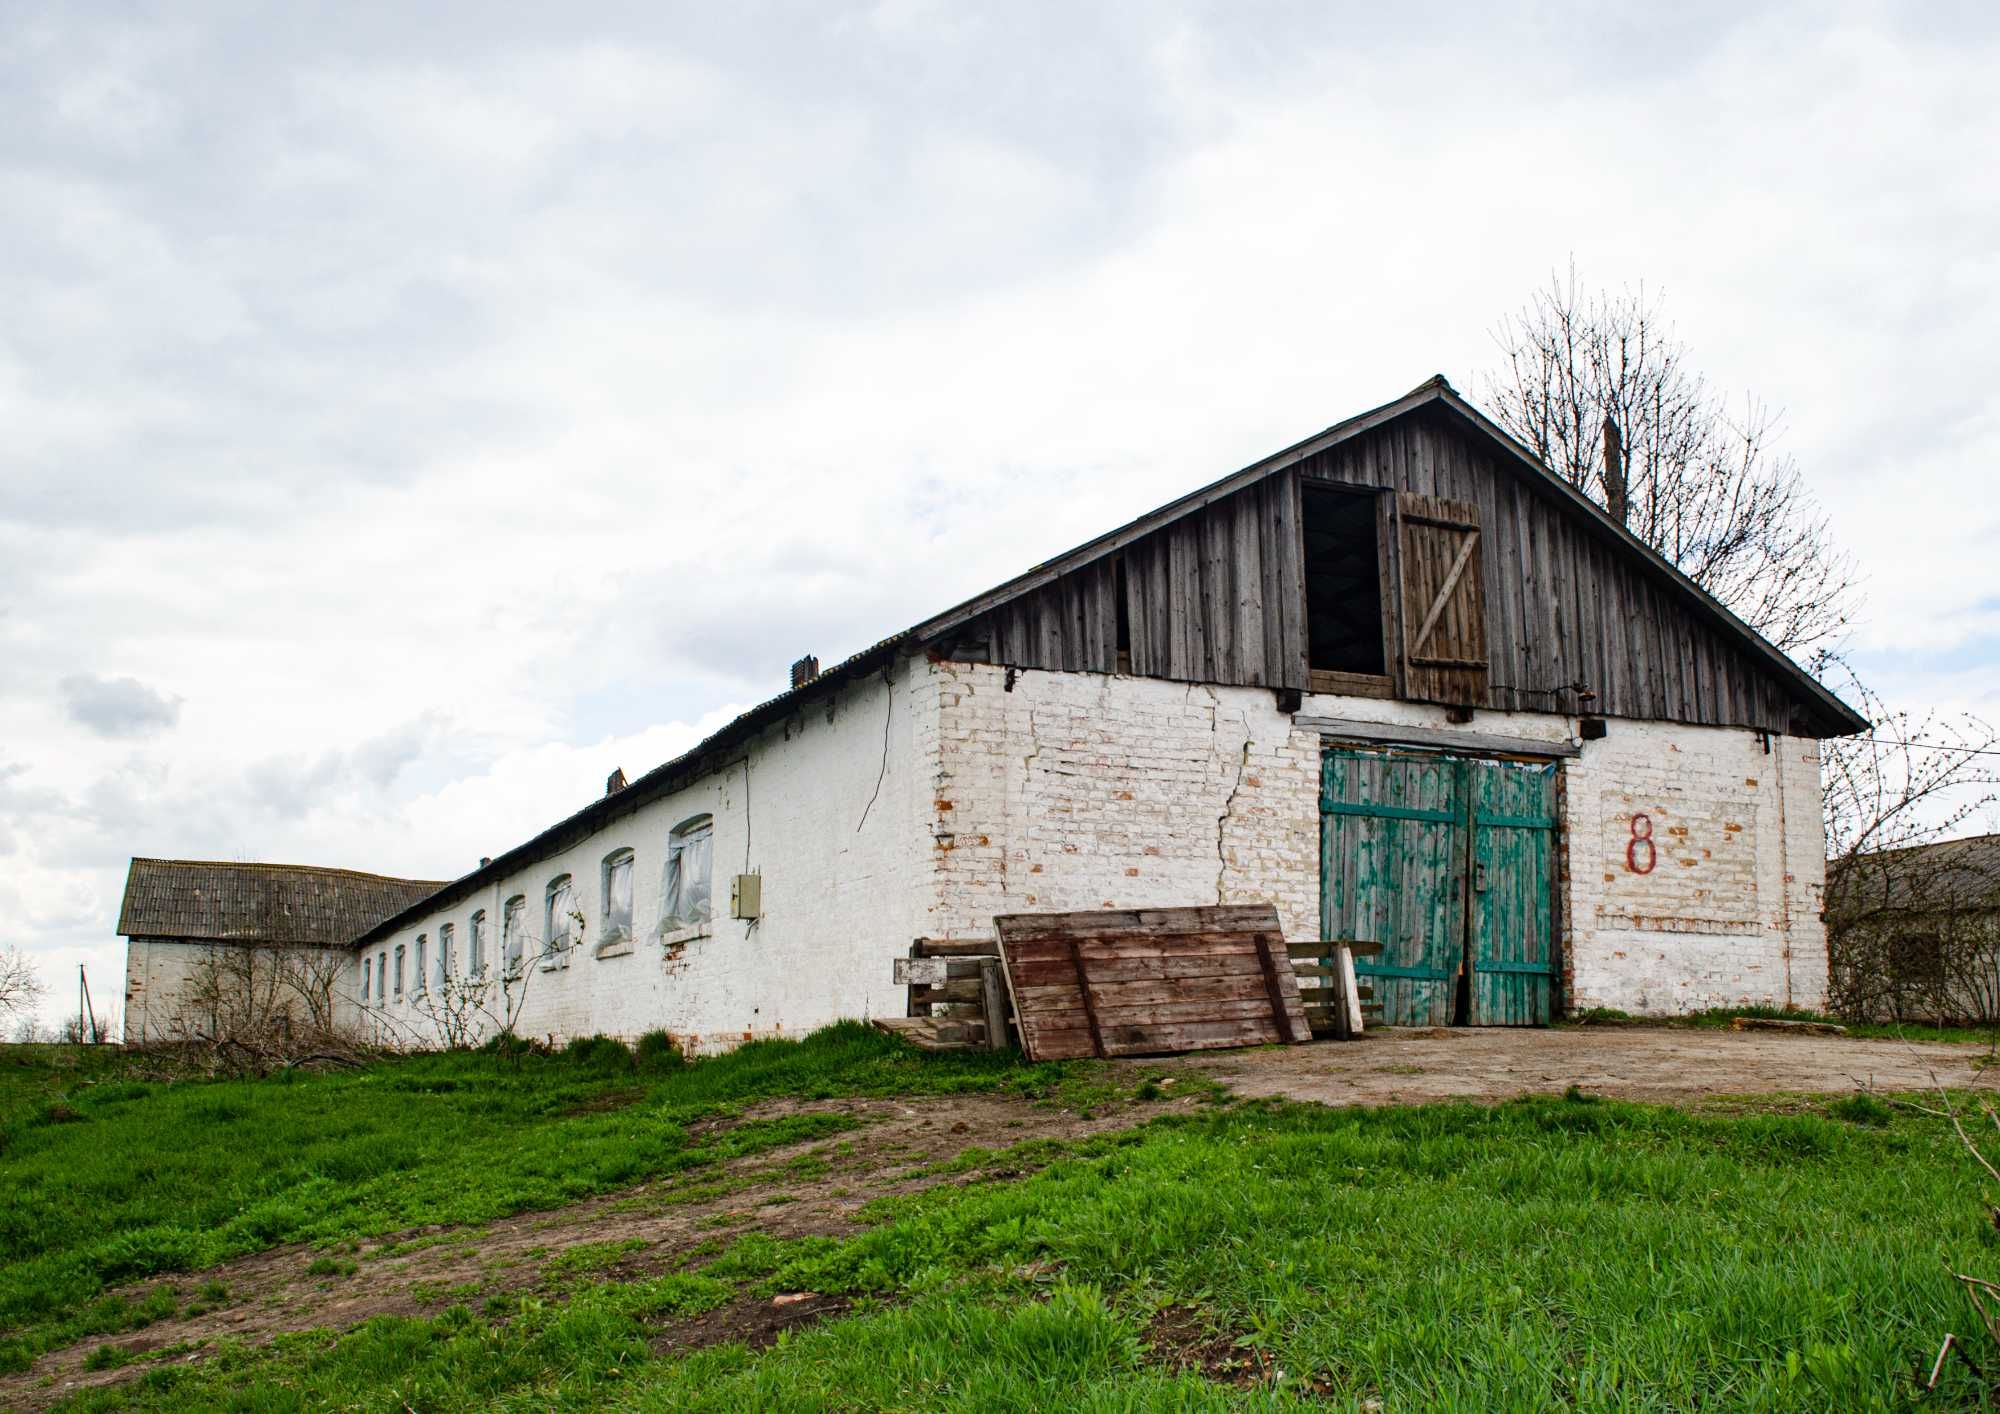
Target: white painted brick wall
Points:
(1076, 791)
(840, 897)
(1730, 913)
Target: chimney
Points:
(615, 782)
(484, 860)
(1615, 491)
(804, 671)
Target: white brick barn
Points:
(1398, 680)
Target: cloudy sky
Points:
(408, 414)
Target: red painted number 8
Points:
(1642, 838)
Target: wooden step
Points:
(935, 1033)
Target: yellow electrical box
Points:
(746, 896)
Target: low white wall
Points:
(169, 981)
(1077, 791)
(839, 897)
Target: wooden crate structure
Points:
(957, 996)
(1325, 971)
(1129, 982)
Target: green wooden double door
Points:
(1447, 862)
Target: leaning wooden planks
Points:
(1148, 981)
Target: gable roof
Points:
(261, 903)
(1434, 392)
(1936, 877)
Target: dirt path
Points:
(814, 1188)
(1397, 1067)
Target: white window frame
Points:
(675, 923)
(614, 933)
(475, 945)
(367, 970)
(422, 983)
(382, 977)
(399, 971)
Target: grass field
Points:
(1552, 1252)
(110, 1178)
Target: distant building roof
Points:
(1950, 874)
(276, 903)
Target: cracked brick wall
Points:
(1079, 791)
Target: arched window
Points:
(684, 882)
(558, 921)
(447, 940)
(475, 944)
(616, 926)
(419, 978)
(381, 977)
(367, 968)
(399, 969)
(514, 932)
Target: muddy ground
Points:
(819, 1188)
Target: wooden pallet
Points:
(1127, 982)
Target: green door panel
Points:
(1391, 871)
(1513, 838)
(1448, 863)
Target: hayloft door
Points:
(1513, 860)
(1392, 870)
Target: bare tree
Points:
(21, 987)
(1911, 932)
(252, 1009)
(1601, 389)
(32, 1030)
(462, 1010)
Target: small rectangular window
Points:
(1916, 958)
(513, 932)
(617, 924)
(684, 888)
(558, 922)
(476, 944)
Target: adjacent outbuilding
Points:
(214, 948)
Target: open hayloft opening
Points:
(1343, 582)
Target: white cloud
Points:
(418, 402)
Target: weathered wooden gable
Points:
(1497, 591)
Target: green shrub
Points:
(656, 1051)
(598, 1053)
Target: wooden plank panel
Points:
(1179, 979)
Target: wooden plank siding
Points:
(1218, 596)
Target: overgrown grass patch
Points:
(1541, 1253)
(149, 1179)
